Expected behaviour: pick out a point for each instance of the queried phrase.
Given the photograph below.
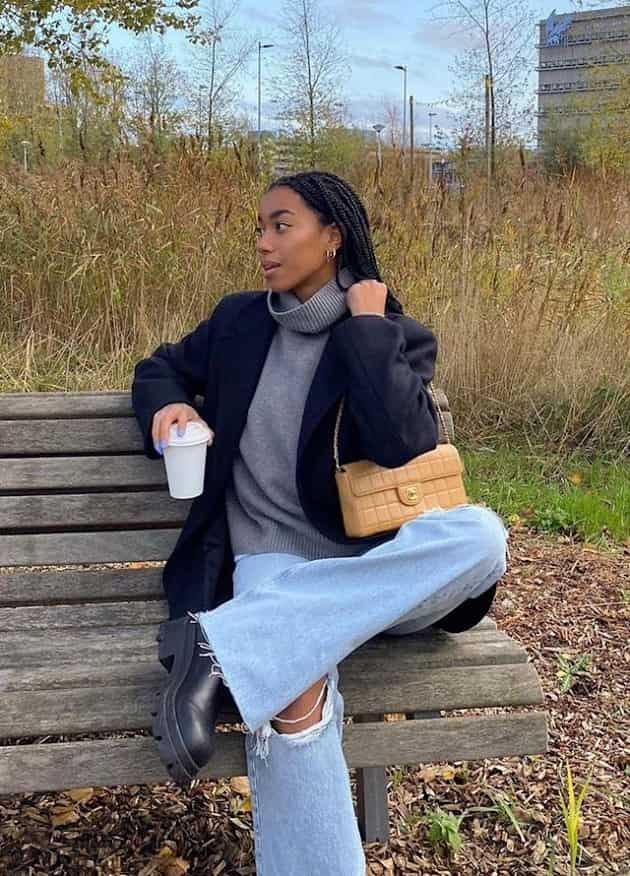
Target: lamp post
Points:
(431, 115)
(25, 144)
(404, 130)
(261, 46)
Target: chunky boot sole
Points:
(176, 650)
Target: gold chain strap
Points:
(338, 421)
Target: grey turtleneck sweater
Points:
(263, 509)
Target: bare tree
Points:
(154, 88)
(309, 83)
(501, 34)
(393, 118)
(220, 54)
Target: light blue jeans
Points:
(290, 623)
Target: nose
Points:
(261, 246)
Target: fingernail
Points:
(158, 448)
(181, 430)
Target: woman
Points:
(272, 367)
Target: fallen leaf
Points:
(240, 784)
(61, 815)
(80, 795)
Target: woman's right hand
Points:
(179, 413)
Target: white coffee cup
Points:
(185, 460)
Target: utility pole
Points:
(261, 46)
(431, 115)
(411, 155)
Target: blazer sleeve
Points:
(389, 362)
(174, 372)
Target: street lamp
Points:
(431, 115)
(378, 128)
(25, 144)
(261, 46)
(404, 130)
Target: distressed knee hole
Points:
(305, 736)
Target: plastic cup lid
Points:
(195, 434)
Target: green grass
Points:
(572, 494)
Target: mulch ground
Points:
(558, 598)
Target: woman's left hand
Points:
(367, 296)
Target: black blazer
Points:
(380, 365)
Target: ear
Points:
(334, 236)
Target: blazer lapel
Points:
(327, 387)
(241, 355)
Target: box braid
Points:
(334, 200)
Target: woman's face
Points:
(292, 244)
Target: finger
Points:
(182, 419)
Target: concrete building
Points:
(575, 50)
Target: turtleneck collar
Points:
(318, 312)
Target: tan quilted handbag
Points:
(376, 499)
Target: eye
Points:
(258, 230)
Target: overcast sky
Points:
(377, 34)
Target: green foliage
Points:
(444, 829)
(571, 668)
(73, 32)
(503, 806)
(570, 493)
(571, 808)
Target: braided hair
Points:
(334, 200)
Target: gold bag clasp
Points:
(410, 494)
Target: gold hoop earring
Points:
(330, 254)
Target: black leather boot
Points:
(187, 703)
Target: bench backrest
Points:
(76, 488)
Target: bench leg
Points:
(372, 811)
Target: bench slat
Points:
(88, 547)
(65, 437)
(79, 585)
(127, 706)
(80, 472)
(99, 614)
(104, 403)
(35, 405)
(73, 511)
(122, 644)
(107, 762)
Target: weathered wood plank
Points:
(80, 472)
(73, 511)
(104, 403)
(36, 405)
(79, 585)
(74, 617)
(109, 614)
(102, 763)
(90, 646)
(87, 547)
(126, 705)
(65, 437)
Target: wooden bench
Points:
(78, 651)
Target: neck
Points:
(309, 287)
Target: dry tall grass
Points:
(530, 297)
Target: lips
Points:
(269, 266)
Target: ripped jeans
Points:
(290, 623)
